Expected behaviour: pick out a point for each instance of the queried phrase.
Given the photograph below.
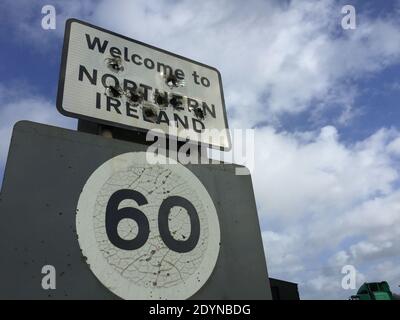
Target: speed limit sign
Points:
(147, 231)
(118, 226)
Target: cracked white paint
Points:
(152, 271)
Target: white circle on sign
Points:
(148, 231)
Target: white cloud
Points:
(24, 18)
(319, 173)
(326, 204)
(394, 147)
(364, 249)
(19, 105)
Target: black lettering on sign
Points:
(115, 52)
(113, 103)
(115, 215)
(164, 68)
(106, 83)
(163, 214)
(131, 111)
(179, 74)
(207, 110)
(91, 77)
(196, 124)
(149, 63)
(179, 122)
(146, 90)
(129, 85)
(137, 59)
(96, 43)
(162, 118)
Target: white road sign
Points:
(148, 231)
(111, 79)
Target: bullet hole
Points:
(199, 113)
(175, 102)
(135, 97)
(172, 81)
(114, 92)
(115, 64)
(150, 114)
(160, 99)
(154, 284)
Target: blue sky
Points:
(323, 100)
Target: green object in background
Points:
(374, 291)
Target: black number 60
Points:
(115, 215)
